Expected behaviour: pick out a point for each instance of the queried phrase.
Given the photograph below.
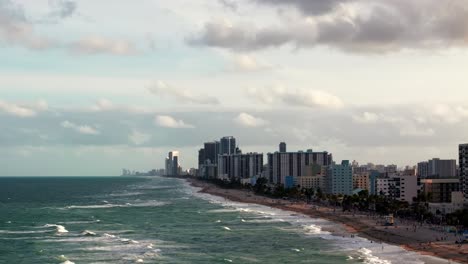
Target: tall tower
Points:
(463, 162)
(282, 147)
(172, 163)
(227, 145)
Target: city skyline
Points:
(81, 91)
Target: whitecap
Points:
(227, 228)
(371, 259)
(59, 228)
(139, 261)
(228, 260)
(109, 205)
(88, 233)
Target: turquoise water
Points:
(160, 220)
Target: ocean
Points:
(160, 220)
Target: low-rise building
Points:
(361, 181)
(440, 190)
(311, 182)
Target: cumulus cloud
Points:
(356, 26)
(247, 120)
(103, 105)
(163, 90)
(17, 110)
(82, 129)
(170, 122)
(102, 45)
(448, 114)
(296, 97)
(138, 138)
(247, 63)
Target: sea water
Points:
(161, 220)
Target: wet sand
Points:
(407, 234)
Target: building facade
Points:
(240, 166)
(463, 163)
(294, 164)
(339, 179)
(442, 168)
(282, 147)
(398, 187)
(361, 181)
(311, 182)
(227, 145)
(172, 166)
(440, 190)
(423, 169)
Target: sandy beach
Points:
(425, 240)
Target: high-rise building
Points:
(240, 166)
(442, 168)
(282, 147)
(211, 151)
(227, 145)
(423, 169)
(201, 157)
(172, 167)
(294, 164)
(463, 163)
(339, 179)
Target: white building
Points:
(399, 187)
(240, 166)
(282, 164)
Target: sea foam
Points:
(58, 228)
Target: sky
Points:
(90, 87)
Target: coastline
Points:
(423, 240)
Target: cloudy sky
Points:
(90, 87)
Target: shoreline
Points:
(421, 240)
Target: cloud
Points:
(310, 7)
(448, 114)
(103, 105)
(247, 120)
(101, 45)
(138, 138)
(296, 97)
(163, 90)
(361, 26)
(247, 63)
(229, 4)
(170, 122)
(17, 110)
(82, 129)
(411, 130)
(367, 118)
(16, 30)
(62, 8)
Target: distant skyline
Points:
(91, 87)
